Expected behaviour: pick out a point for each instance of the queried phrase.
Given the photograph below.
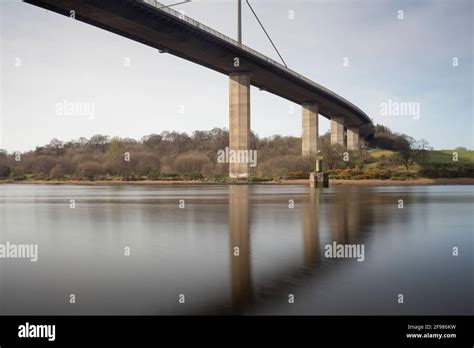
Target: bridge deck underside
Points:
(155, 28)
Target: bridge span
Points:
(153, 24)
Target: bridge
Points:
(154, 24)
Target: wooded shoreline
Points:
(335, 182)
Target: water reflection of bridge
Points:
(341, 214)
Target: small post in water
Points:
(319, 178)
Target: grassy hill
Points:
(434, 157)
(385, 164)
(446, 156)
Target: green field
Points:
(435, 156)
(377, 153)
(439, 164)
(446, 156)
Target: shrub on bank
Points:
(19, 177)
(405, 175)
(169, 176)
(298, 175)
(90, 170)
(282, 166)
(4, 172)
(260, 178)
(345, 174)
(356, 174)
(57, 172)
(219, 178)
(131, 177)
(376, 173)
(154, 175)
(448, 171)
(192, 176)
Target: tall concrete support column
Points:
(309, 138)
(337, 130)
(353, 138)
(239, 121)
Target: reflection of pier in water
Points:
(343, 215)
(239, 237)
(311, 228)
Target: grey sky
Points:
(408, 60)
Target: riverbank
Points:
(388, 182)
(336, 182)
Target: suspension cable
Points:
(268, 36)
(178, 3)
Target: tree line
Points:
(179, 155)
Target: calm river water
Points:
(183, 241)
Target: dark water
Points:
(190, 251)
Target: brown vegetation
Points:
(178, 156)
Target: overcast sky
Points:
(47, 59)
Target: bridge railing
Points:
(201, 26)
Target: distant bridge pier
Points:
(353, 138)
(337, 130)
(309, 138)
(239, 121)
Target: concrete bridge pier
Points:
(337, 130)
(353, 142)
(239, 121)
(309, 138)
